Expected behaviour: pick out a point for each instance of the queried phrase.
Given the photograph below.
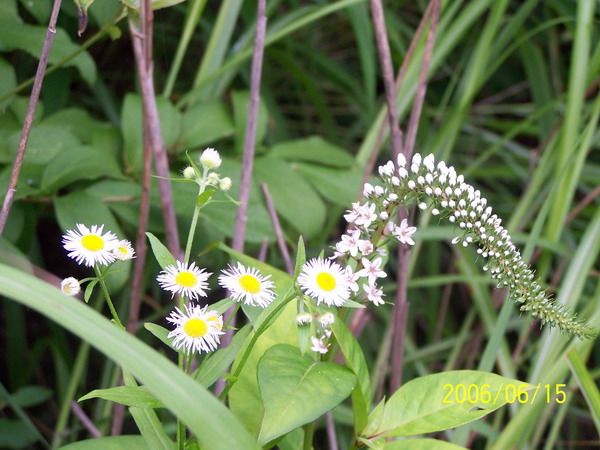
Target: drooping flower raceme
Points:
(248, 285)
(440, 189)
(89, 246)
(186, 279)
(196, 329)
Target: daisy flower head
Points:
(70, 286)
(248, 284)
(124, 251)
(196, 330)
(327, 319)
(186, 279)
(325, 281)
(90, 246)
(318, 345)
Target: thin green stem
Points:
(190, 239)
(257, 333)
(195, 12)
(235, 310)
(109, 302)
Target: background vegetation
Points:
(512, 102)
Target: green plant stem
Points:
(190, 239)
(309, 430)
(235, 310)
(109, 302)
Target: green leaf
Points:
(338, 186)
(206, 417)
(295, 200)
(435, 403)
(15, 434)
(44, 144)
(296, 390)
(240, 101)
(109, 443)
(205, 123)
(161, 253)
(300, 257)
(89, 290)
(355, 360)
(78, 163)
(421, 444)
(31, 396)
(217, 363)
(136, 396)
(8, 81)
(131, 119)
(160, 333)
(313, 149)
(204, 197)
(16, 35)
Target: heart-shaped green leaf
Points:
(445, 400)
(296, 390)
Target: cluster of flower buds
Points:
(439, 188)
(209, 160)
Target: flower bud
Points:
(189, 173)
(210, 158)
(225, 184)
(70, 286)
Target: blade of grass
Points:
(586, 383)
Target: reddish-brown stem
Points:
(241, 218)
(277, 227)
(398, 83)
(415, 114)
(33, 100)
(385, 60)
(141, 246)
(143, 57)
(331, 436)
(85, 420)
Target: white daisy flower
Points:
(318, 345)
(374, 294)
(197, 330)
(403, 233)
(124, 250)
(325, 281)
(89, 246)
(70, 286)
(210, 158)
(188, 280)
(248, 284)
(371, 270)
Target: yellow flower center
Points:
(195, 328)
(186, 279)
(92, 242)
(123, 250)
(326, 281)
(249, 284)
